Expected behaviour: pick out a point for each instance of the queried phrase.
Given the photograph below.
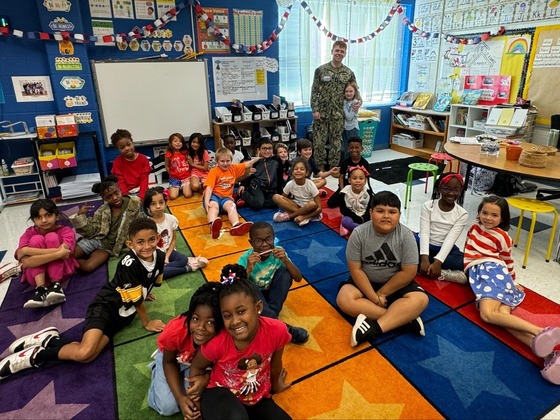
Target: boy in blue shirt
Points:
(271, 271)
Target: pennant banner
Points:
(146, 31)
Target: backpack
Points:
(505, 185)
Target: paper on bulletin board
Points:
(242, 78)
(207, 41)
(543, 70)
(248, 26)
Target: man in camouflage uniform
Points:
(327, 101)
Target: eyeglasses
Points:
(447, 190)
(260, 242)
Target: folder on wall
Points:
(506, 116)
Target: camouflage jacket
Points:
(327, 92)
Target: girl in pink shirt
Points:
(199, 159)
(45, 252)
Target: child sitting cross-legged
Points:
(300, 200)
(218, 193)
(171, 388)
(305, 150)
(271, 271)
(114, 308)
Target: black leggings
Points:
(220, 403)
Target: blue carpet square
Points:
(463, 371)
(526, 224)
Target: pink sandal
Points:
(543, 344)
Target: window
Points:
(377, 64)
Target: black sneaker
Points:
(299, 335)
(55, 294)
(417, 326)
(363, 329)
(38, 299)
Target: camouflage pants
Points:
(323, 130)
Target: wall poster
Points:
(239, 78)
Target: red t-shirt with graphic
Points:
(246, 373)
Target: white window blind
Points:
(376, 63)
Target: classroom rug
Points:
(395, 171)
(460, 369)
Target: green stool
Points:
(424, 167)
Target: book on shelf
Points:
(422, 100)
(461, 116)
(506, 116)
(432, 124)
(443, 103)
(470, 96)
(494, 116)
(519, 117)
(401, 119)
(407, 98)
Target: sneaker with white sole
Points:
(9, 270)
(18, 361)
(55, 294)
(454, 276)
(216, 227)
(362, 330)
(417, 326)
(281, 216)
(197, 262)
(240, 229)
(40, 338)
(38, 298)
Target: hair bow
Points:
(229, 279)
(449, 177)
(353, 168)
(165, 193)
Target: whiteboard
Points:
(153, 99)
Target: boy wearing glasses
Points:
(266, 180)
(271, 271)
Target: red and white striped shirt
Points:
(488, 245)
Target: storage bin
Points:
(23, 168)
(66, 155)
(47, 157)
(368, 128)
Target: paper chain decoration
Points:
(147, 30)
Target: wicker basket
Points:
(533, 158)
(549, 150)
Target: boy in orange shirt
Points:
(218, 193)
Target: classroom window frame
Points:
(302, 48)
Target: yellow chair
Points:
(424, 167)
(534, 206)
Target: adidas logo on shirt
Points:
(383, 257)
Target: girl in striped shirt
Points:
(489, 266)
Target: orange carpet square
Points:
(190, 215)
(201, 242)
(345, 392)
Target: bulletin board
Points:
(541, 88)
(153, 99)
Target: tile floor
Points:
(539, 276)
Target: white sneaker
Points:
(18, 361)
(40, 338)
(9, 270)
(454, 276)
(197, 262)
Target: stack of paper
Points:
(464, 140)
(78, 186)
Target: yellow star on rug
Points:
(351, 401)
(307, 322)
(225, 239)
(195, 213)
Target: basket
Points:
(533, 158)
(23, 169)
(549, 150)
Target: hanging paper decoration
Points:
(135, 34)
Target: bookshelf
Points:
(467, 120)
(415, 122)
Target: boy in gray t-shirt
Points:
(382, 258)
